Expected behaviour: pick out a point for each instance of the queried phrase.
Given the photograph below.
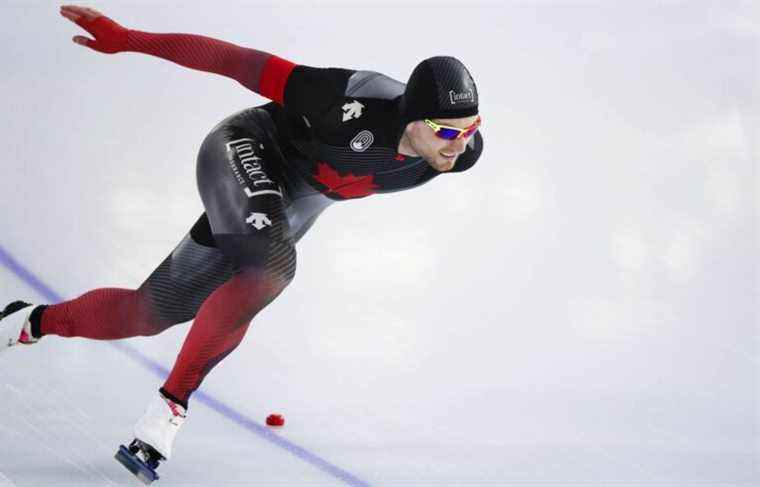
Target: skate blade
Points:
(138, 468)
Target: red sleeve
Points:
(258, 71)
(274, 77)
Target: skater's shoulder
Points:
(371, 84)
(346, 82)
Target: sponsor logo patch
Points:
(362, 141)
(258, 220)
(352, 111)
(243, 157)
(466, 97)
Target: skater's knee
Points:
(266, 283)
(281, 265)
(152, 328)
(151, 321)
(270, 280)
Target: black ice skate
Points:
(141, 459)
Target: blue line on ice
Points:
(228, 412)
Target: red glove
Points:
(110, 37)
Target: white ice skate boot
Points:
(154, 437)
(160, 424)
(15, 327)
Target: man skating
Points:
(264, 175)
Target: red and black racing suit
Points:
(264, 175)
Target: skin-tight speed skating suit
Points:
(264, 175)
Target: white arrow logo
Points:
(352, 110)
(259, 220)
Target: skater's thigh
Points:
(240, 182)
(183, 281)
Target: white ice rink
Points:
(579, 309)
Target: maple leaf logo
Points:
(348, 186)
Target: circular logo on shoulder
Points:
(362, 141)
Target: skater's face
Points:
(440, 153)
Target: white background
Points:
(580, 308)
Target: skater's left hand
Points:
(110, 37)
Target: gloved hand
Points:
(110, 37)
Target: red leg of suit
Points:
(219, 328)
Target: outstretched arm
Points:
(259, 71)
